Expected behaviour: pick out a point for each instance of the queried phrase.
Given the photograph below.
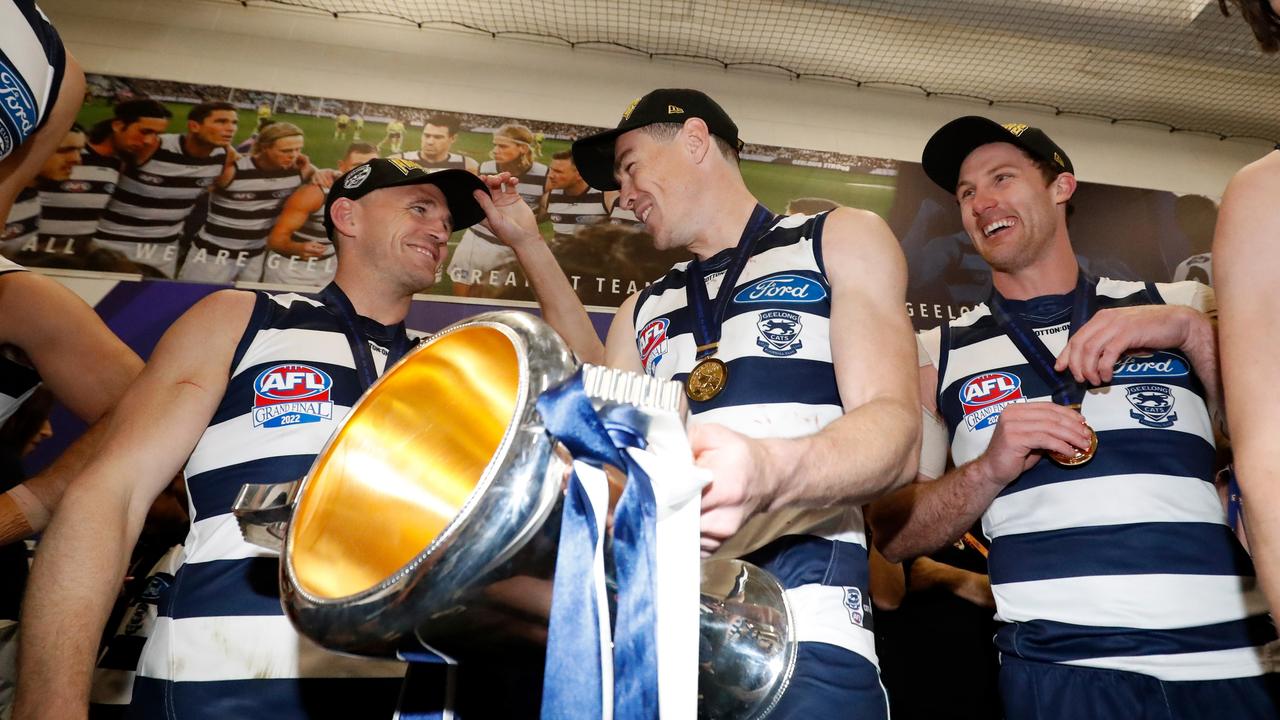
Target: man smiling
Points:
(210, 404)
(1078, 411)
(790, 336)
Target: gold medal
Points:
(706, 380)
(1080, 457)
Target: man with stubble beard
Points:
(222, 646)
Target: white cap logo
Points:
(357, 177)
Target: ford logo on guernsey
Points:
(291, 395)
(782, 289)
(984, 396)
(1147, 365)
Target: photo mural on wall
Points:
(230, 188)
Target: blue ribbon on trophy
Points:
(568, 691)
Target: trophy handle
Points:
(263, 512)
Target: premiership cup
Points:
(432, 516)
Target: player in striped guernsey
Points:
(70, 208)
(436, 151)
(299, 251)
(244, 207)
(24, 218)
(818, 415)
(480, 253)
(144, 218)
(42, 86)
(219, 401)
(570, 203)
(46, 334)
(57, 168)
(1122, 590)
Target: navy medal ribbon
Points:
(708, 318)
(360, 352)
(1065, 389)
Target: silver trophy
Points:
(433, 513)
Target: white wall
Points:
(308, 53)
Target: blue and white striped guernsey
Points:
(531, 185)
(20, 228)
(151, 202)
(456, 161)
(1124, 563)
(568, 212)
(221, 646)
(776, 343)
(242, 213)
(70, 209)
(17, 378)
(293, 270)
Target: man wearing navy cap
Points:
(791, 338)
(1078, 411)
(218, 401)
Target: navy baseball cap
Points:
(593, 155)
(457, 186)
(951, 144)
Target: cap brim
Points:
(458, 187)
(593, 156)
(947, 149)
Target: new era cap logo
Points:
(1058, 159)
(675, 110)
(626, 114)
(404, 166)
(1016, 128)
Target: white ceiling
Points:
(1173, 63)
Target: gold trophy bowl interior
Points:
(404, 463)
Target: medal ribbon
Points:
(360, 352)
(1065, 389)
(572, 688)
(707, 318)
(424, 695)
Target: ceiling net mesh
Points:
(1178, 64)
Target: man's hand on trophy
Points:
(507, 215)
(740, 483)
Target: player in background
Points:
(479, 254)
(436, 149)
(145, 216)
(299, 251)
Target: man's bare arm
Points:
(928, 513)
(84, 553)
(513, 222)
(1246, 260)
(873, 447)
(304, 201)
(1091, 353)
(83, 363)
